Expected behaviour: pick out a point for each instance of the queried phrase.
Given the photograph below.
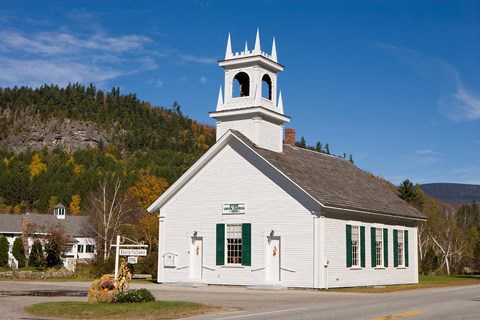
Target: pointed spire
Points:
(220, 100)
(274, 51)
(246, 47)
(257, 49)
(280, 103)
(228, 52)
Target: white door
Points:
(196, 258)
(273, 259)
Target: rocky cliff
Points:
(27, 132)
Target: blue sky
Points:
(395, 83)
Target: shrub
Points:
(141, 295)
(3, 251)
(37, 258)
(19, 252)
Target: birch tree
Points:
(108, 214)
(447, 237)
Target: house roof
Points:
(334, 182)
(73, 226)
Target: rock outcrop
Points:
(28, 132)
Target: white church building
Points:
(256, 211)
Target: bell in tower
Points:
(250, 103)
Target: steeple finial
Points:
(220, 100)
(274, 51)
(280, 103)
(246, 47)
(257, 49)
(228, 52)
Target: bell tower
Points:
(250, 103)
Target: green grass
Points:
(424, 282)
(144, 311)
(2, 269)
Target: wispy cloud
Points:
(194, 59)
(423, 151)
(203, 80)
(62, 57)
(459, 105)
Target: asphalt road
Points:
(443, 303)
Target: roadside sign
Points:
(132, 260)
(133, 252)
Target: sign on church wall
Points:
(233, 208)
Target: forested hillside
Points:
(457, 193)
(57, 144)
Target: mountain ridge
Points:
(456, 193)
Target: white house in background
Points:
(35, 226)
(255, 211)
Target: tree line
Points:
(449, 240)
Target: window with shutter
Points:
(220, 258)
(348, 238)
(385, 248)
(246, 244)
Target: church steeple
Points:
(250, 102)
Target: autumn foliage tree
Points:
(147, 190)
(75, 204)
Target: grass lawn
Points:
(144, 311)
(424, 282)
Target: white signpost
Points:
(132, 251)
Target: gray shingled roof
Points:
(73, 226)
(333, 181)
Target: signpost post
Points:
(130, 250)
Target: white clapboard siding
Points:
(230, 178)
(341, 276)
(261, 132)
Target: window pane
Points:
(234, 244)
(379, 246)
(355, 245)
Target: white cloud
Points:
(460, 105)
(60, 57)
(423, 151)
(203, 60)
(203, 80)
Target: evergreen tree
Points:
(327, 149)
(302, 143)
(350, 158)
(318, 147)
(37, 258)
(19, 252)
(3, 251)
(430, 262)
(411, 193)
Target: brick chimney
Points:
(25, 227)
(290, 136)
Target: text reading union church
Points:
(259, 212)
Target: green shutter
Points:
(385, 248)
(395, 247)
(348, 237)
(373, 245)
(220, 244)
(362, 246)
(405, 240)
(246, 244)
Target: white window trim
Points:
(357, 266)
(380, 265)
(227, 264)
(401, 265)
